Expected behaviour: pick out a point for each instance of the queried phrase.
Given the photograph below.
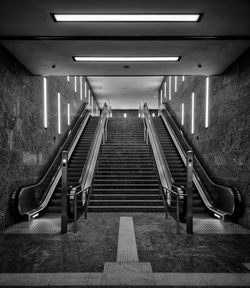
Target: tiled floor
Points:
(81, 258)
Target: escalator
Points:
(76, 163)
(176, 165)
(218, 200)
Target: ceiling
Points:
(29, 33)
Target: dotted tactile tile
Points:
(127, 249)
(216, 226)
(43, 225)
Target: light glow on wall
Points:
(81, 88)
(169, 88)
(75, 84)
(125, 115)
(68, 114)
(183, 78)
(175, 84)
(165, 89)
(68, 78)
(207, 103)
(192, 115)
(59, 112)
(182, 113)
(45, 109)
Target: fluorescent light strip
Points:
(59, 112)
(81, 88)
(85, 89)
(75, 84)
(165, 89)
(68, 114)
(89, 98)
(182, 113)
(169, 87)
(126, 59)
(175, 84)
(92, 107)
(45, 121)
(183, 78)
(126, 17)
(192, 115)
(68, 78)
(207, 102)
(161, 97)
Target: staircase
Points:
(75, 164)
(175, 163)
(126, 179)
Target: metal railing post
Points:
(64, 200)
(189, 207)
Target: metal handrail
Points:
(232, 195)
(23, 203)
(73, 196)
(177, 204)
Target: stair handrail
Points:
(231, 194)
(30, 199)
(161, 163)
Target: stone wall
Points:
(225, 145)
(25, 145)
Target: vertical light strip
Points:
(68, 114)
(192, 115)
(75, 84)
(45, 121)
(85, 89)
(182, 113)
(183, 78)
(169, 87)
(59, 112)
(207, 102)
(165, 89)
(89, 98)
(92, 103)
(175, 83)
(68, 78)
(81, 88)
(161, 97)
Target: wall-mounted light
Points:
(125, 115)
(169, 88)
(175, 84)
(81, 88)
(92, 103)
(45, 110)
(59, 112)
(207, 103)
(126, 59)
(153, 114)
(72, 17)
(85, 89)
(183, 78)
(161, 96)
(165, 89)
(68, 78)
(68, 114)
(89, 97)
(75, 84)
(192, 115)
(182, 113)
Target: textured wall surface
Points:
(25, 145)
(225, 145)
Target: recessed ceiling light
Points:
(126, 59)
(58, 17)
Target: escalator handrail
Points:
(162, 166)
(181, 139)
(72, 132)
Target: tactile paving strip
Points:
(43, 225)
(216, 226)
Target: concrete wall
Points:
(25, 145)
(225, 145)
